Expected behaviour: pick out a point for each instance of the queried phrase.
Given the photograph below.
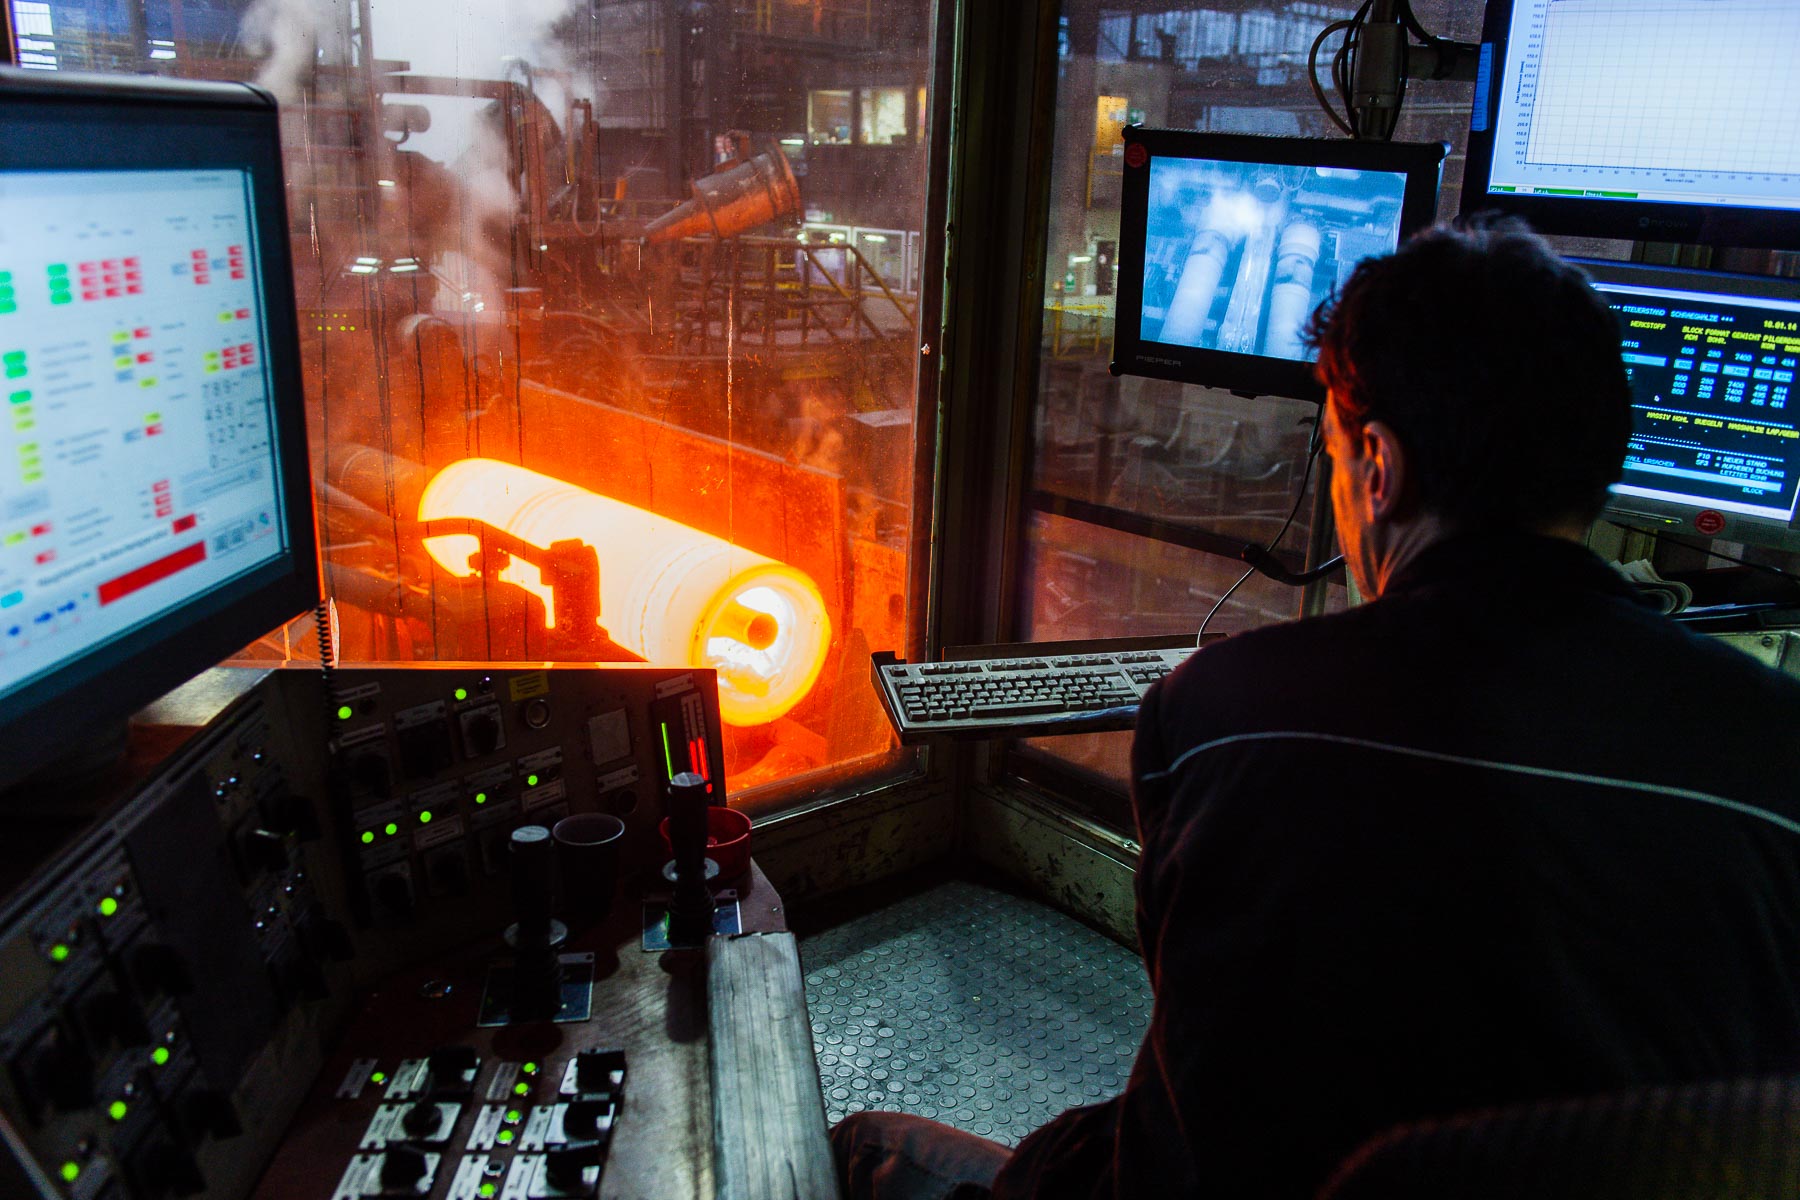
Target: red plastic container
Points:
(727, 841)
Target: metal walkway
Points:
(972, 1006)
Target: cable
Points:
(1314, 445)
(1706, 550)
(1312, 75)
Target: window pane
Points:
(1184, 455)
(883, 115)
(552, 280)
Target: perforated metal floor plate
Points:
(974, 1007)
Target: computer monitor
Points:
(1640, 119)
(1713, 360)
(155, 510)
(1228, 242)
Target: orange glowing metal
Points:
(667, 592)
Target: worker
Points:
(1501, 834)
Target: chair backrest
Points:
(1730, 1140)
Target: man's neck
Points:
(1407, 540)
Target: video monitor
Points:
(1640, 119)
(1715, 438)
(155, 511)
(1228, 242)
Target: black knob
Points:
(421, 1120)
(401, 1169)
(566, 1163)
(210, 1113)
(594, 1070)
(483, 733)
(687, 823)
(61, 1072)
(265, 850)
(587, 1119)
(160, 970)
(165, 1169)
(532, 883)
(449, 1068)
(394, 893)
(114, 1019)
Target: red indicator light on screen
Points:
(146, 357)
(183, 524)
(40, 530)
(243, 314)
(142, 331)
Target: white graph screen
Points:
(1673, 101)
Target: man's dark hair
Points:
(1497, 366)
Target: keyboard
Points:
(1024, 690)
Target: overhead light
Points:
(874, 237)
(793, 141)
(404, 266)
(1080, 258)
(363, 269)
(373, 262)
(384, 183)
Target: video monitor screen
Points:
(1228, 243)
(142, 465)
(1713, 359)
(1642, 119)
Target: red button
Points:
(131, 264)
(113, 292)
(199, 254)
(145, 357)
(136, 289)
(153, 430)
(243, 314)
(111, 264)
(88, 267)
(234, 249)
(40, 530)
(161, 485)
(142, 331)
(237, 275)
(90, 295)
(46, 556)
(183, 524)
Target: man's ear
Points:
(1387, 470)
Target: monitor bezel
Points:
(110, 123)
(1668, 516)
(1588, 216)
(1250, 375)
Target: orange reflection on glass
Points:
(668, 592)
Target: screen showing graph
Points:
(139, 448)
(1714, 398)
(1693, 102)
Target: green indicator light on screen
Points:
(481, 797)
(425, 817)
(160, 1056)
(345, 712)
(71, 1171)
(521, 1089)
(504, 1137)
(368, 838)
(117, 1110)
(59, 953)
(390, 829)
(462, 693)
(108, 907)
(531, 781)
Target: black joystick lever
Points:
(536, 937)
(594, 1071)
(691, 909)
(420, 1120)
(584, 1119)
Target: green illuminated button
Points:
(71, 1171)
(390, 829)
(160, 1056)
(504, 1137)
(514, 1116)
(59, 953)
(531, 781)
(368, 837)
(530, 1068)
(117, 1110)
(486, 1190)
(481, 797)
(462, 693)
(108, 907)
(345, 712)
(425, 817)
(378, 1077)
(521, 1089)
(58, 268)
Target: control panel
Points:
(176, 977)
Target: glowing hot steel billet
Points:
(667, 592)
